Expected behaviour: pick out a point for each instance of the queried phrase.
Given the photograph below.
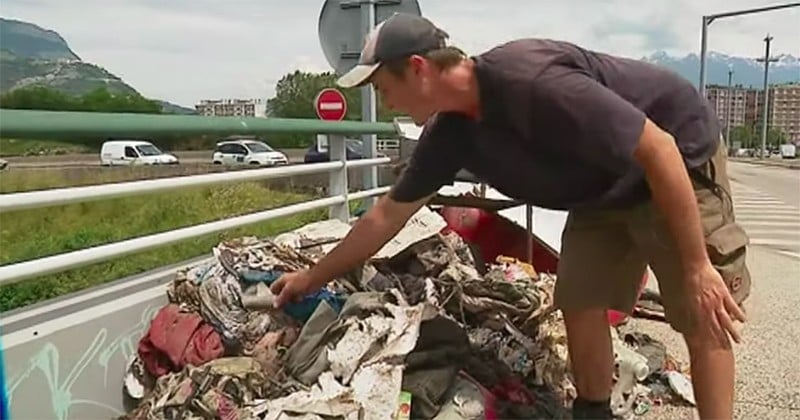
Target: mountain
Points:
(746, 71)
(25, 39)
(33, 56)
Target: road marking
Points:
(765, 232)
(746, 217)
(784, 224)
(792, 254)
(759, 202)
(768, 221)
(767, 207)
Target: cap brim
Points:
(358, 75)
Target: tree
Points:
(98, 100)
(750, 136)
(294, 98)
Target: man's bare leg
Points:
(591, 355)
(713, 372)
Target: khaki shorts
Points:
(605, 253)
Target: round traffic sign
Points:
(330, 105)
(341, 27)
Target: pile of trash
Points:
(416, 332)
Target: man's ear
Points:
(416, 63)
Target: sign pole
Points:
(368, 105)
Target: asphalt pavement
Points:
(767, 205)
(767, 202)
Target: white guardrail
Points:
(337, 202)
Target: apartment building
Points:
(747, 107)
(737, 100)
(232, 108)
(785, 110)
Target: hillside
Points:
(25, 39)
(747, 71)
(34, 56)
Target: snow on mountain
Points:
(746, 70)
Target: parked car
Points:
(3, 164)
(318, 152)
(788, 151)
(134, 152)
(249, 151)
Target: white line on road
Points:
(766, 207)
(745, 217)
(793, 224)
(773, 242)
(760, 202)
(792, 254)
(768, 232)
(765, 212)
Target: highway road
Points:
(194, 157)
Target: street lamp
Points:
(704, 34)
(730, 105)
(765, 120)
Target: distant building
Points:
(747, 107)
(232, 108)
(785, 110)
(737, 100)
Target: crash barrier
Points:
(74, 348)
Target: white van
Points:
(134, 152)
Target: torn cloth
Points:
(353, 360)
(176, 339)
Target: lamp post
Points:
(730, 111)
(765, 119)
(708, 19)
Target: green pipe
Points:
(15, 123)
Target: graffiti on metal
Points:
(98, 353)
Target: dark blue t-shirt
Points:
(558, 127)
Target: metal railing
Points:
(37, 124)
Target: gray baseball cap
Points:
(401, 35)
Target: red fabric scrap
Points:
(176, 339)
(511, 389)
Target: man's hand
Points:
(291, 287)
(712, 307)
(368, 235)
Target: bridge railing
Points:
(51, 124)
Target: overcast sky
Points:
(187, 50)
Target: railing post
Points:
(338, 178)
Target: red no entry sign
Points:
(330, 105)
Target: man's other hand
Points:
(712, 306)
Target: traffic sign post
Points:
(330, 105)
(343, 26)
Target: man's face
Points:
(412, 94)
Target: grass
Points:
(19, 147)
(30, 234)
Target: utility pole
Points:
(765, 119)
(708, 19)
(730, 111)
